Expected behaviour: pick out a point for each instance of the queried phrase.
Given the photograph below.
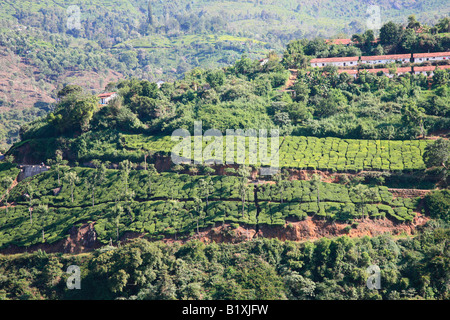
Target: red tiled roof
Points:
(426, 68)
(430, 68)
(385, 70)
(404, 69)
(432, 54)
(336, 59)
(106, 95)
(399, 70)
(339, 41)
(349, 71)
(386, 57)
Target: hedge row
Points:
(156, 214)
(329, 153)
(352, 155)
(305, 191)
(161, 218)
(166, 185)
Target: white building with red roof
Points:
(434, 56)
(403, 58)
(338, 62)
(105, 98)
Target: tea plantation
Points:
(334, 154)
(44, 212)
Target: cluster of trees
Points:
(393, 38)
(247, 95)
(239, 92)
(11, 122)
(372, 106)
(398, 38)
(331, 269)
(247, 88)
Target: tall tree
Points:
(125, 169)
(97, 178)
(71, 178)
(117, 215)
(58, 164)
(364, 194)
(150, 14)
(244, 173)
(206, 188)
(437, 154)
(174, 208)
(413, 116)
(390, 33)
(282, 183)
(151, 171)
(29, 195)
(199, 212)
(6, 183)
(315, 182)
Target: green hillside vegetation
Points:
(8, 172)
(110, 165)
(178, 40)
(249, 95)
(263, 269)
(171, 204)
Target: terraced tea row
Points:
(177, 205)
(318, 153)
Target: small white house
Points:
(105, 98)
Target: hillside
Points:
(41, 52)
(235, 178)
(108, 169)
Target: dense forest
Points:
(329, 269)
